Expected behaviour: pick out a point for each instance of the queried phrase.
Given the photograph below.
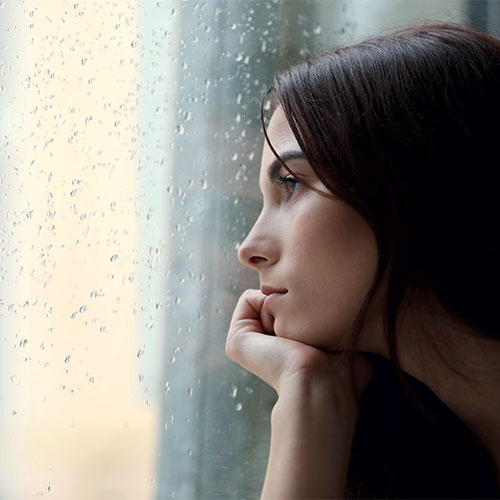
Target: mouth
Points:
(268, 290)
(273, 294)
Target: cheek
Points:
(333, 260)
(342, 248)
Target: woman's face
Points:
(319, 252)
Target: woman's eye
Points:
(290, 184)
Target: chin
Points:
(281, 330)
(291, 331)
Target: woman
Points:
(379, 258)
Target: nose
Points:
(259, 249)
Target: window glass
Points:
(130, 149)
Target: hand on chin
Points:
(267, 321)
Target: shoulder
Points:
(399, 452)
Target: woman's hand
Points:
(281, 362)
(314, 420)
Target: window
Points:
(130, 153)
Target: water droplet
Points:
(67, 359)
(190, 391)
(140, 352)
(204, 184)
(113, 257)
(234, 391)
(317, 29)
(178, 300)
(238, 407)
(189, 452)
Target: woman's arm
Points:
(310, 445)
(314, 419)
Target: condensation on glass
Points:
(130, 148)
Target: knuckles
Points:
(231, 350)
(249, 294)
(235, 336)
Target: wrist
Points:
(324, 393)
(311, 440)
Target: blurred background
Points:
(129, 146)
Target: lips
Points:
(273, 294)
(268, 290)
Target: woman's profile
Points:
(378, 252)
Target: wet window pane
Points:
(130, 148)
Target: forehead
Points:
(281, 138)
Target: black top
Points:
(400, 453)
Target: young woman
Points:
(378, 251)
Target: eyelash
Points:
(286, 182)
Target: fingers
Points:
(252, 344)
(247, 311)
(267, 321)
(248, 342)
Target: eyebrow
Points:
(276, 165)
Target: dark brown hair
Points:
(405, 129)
